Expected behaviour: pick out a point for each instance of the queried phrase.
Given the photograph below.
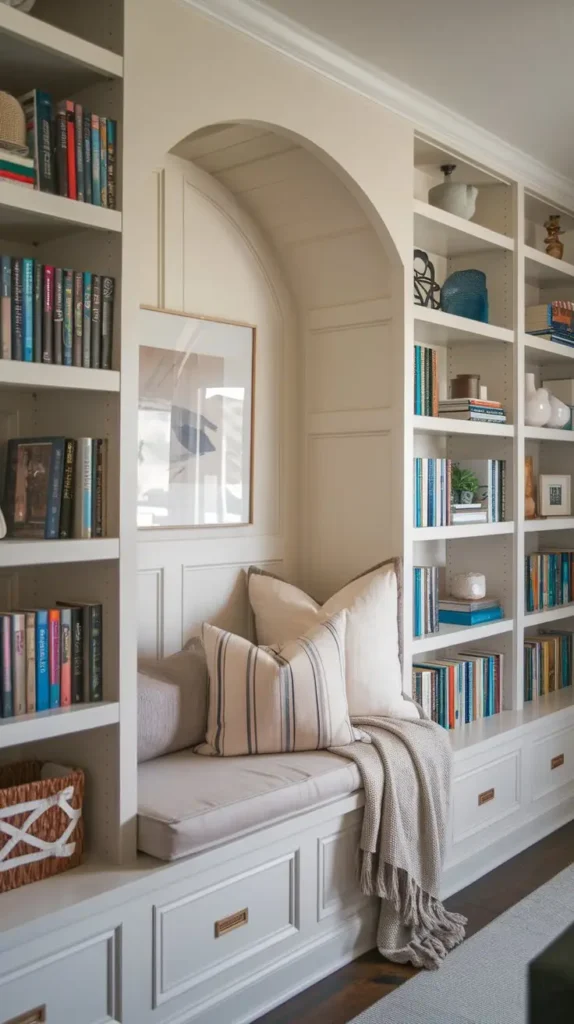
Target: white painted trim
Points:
(444, 125)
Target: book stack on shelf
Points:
(50, 658)
(461, 689)
(476, 410)
(19, 170)
(551, 320)
(55, 488)
(459, 612)
(547, 662)
(549, 579)
(73, 151)
(425, 600)
(426, 381)
(52, 315)
(432, 491)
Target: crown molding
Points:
(430, 118)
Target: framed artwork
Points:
(554, 495)
(195, 421)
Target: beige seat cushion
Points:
(188, 803)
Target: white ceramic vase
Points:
(453, 196)
(559, 413)
(3, 530)
(537, 408)
(468, 586)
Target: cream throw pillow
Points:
(373, 667)
(268, 701)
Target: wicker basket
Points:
(41, 825)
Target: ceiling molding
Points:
(429, 117)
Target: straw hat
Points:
(12, 125)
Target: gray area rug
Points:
(484, 980)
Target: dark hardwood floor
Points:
(349, 991)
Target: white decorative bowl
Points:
(468, 586)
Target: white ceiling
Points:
(506, 65)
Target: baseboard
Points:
(457, 876)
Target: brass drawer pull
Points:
(229, 924)
(486, 797)
(557, 762)
(37, 1016)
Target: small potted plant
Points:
(465, 485)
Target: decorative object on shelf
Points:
(559, 413)
(554, 247)
(469, 586)
(465, 485)
(554, 494)
(427, 291)
(561, 391)
(12, 125)
(529, 495)
(194, 420)
(465, 385)
(464, 293)
(483, 394)
(3, 528)
(454, 197)
(537, 409)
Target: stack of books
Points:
(426, 381)
(459, 612)
(73, 151)
(473, 513)
(55, 488)
(17, 169)
(547, 662)
(50, 658)
(549, 579)
(425, 600)
(477, 410)
(51, 315)
(432, 492)
(461, 689)
(551, 320)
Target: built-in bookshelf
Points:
(505, 240)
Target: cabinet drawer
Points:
(202, 933)
(552, 762)
(485, 794)
(76, 985)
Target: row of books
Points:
(50, 658)
(476, 410)
(426, 381)
(17, 169)
(425, 600)
(461, 689)
(549, 579)
(55, 488)
(459, 612)
(552, 320)
(52, 315)
(547, 662)
(73, 151)
(433, 492)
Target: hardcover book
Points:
(67, 509)
(79, 139)
(38, 310)
(37, 107)
(96, 328)
(17, 312)
(6, 662)
(71, 149)
(48, 315)
(111, 132)
(103, 161)
(78, 318)
(62, 148)
(107, 322)
(87, 318)
(28, 310)
(65, 657)
(68, 346)
(54, 656)
(58, 325)
(6, 310)
(87, 131)
(18, 620)
(34, 476)
(30, 662)
(96, 189)
(42, 661)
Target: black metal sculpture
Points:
(427, 291)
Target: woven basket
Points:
(41, 825)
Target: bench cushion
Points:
(188, 803)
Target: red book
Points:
(71, 151)
(54, 656)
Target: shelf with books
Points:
(435, 327)
(444, 234)
(35, 376)
(552, 523)
(444, 425)
(32, 51)
(450, 634)
(544, 271)
(33, 216)
(424, 533)
(57, 722)
(564, 611)
(15, 552)
(548, 434)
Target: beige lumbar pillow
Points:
(373, 668)
(275, 700)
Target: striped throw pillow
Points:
(269, 700)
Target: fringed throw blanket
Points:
(406, 772)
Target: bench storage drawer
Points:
(485, 793)
(552, 762)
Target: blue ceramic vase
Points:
(464, 293)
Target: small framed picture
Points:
(554, 495)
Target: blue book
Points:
(96, 161)
(87, 315)
(470, 618)
(28, 310)
(42, 662)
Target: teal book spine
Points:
(28, 310)
(87, 318)
(42, 662)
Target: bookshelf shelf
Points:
(543, 270)
(565, 611)
(450, 634)
(56, 552)
(542, 525)
(444, 425)
(423, 533)
(33, 376)
(33, 216)
(58, 722)
(548, 434)
(33, 52)
(487, 729)
(543, 351)
(434, 327)
(443, 234)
